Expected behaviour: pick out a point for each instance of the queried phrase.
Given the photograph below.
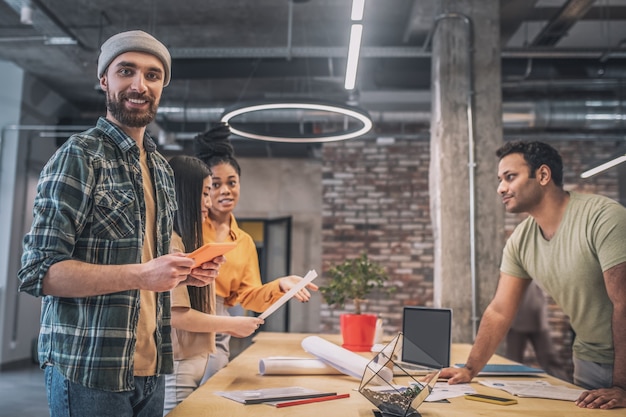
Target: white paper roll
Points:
(281, 365)
(343, 360)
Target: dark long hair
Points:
(189, 175)
(214, 148)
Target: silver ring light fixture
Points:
(353, 121)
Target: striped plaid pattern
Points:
(90, 207)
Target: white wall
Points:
(24, 102)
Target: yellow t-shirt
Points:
(189, 344)
(146, 348)
(239, 279)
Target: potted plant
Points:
(354, 280)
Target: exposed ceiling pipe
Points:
(571, 12)
(379, 52)
(366, 52)
(289, 31)
(582, 114)
(44, 21)
(420, 19)
(51, 27)
(337, 52)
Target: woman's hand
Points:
(288, 282)
(243, 326)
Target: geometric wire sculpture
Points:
(401, 394)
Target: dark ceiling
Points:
(556, 55)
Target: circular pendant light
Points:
(297, 121)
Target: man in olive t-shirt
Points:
(573, 246)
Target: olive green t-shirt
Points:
(590, 239)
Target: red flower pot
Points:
(358, 331)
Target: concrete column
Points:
(11, 173)
(466, 129)
(24, 103)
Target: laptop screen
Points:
(428, 331)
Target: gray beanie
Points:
(134, 41)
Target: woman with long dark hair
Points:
(194, 322)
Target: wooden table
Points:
(243, 373)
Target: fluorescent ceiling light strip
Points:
(603, 167)
(60, 40)
(357, 9)
(353, 56)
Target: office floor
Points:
(22, 392)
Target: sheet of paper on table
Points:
(310, 276)
(535, 389)
(443, 391)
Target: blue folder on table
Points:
(513, 369)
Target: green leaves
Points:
(354, 279)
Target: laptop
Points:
(427, 336)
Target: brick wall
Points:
(375, 199)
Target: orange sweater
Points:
(239, 279)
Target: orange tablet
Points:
(210, 251)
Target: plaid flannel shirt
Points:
(90, 207)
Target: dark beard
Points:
(130, 118)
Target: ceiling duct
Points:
(557, 28)
(552, 115)
(584, 115)
(45, 22)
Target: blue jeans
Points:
(69, 399)
(592, 375)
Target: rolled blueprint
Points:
(343, 360)
(282, 365)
